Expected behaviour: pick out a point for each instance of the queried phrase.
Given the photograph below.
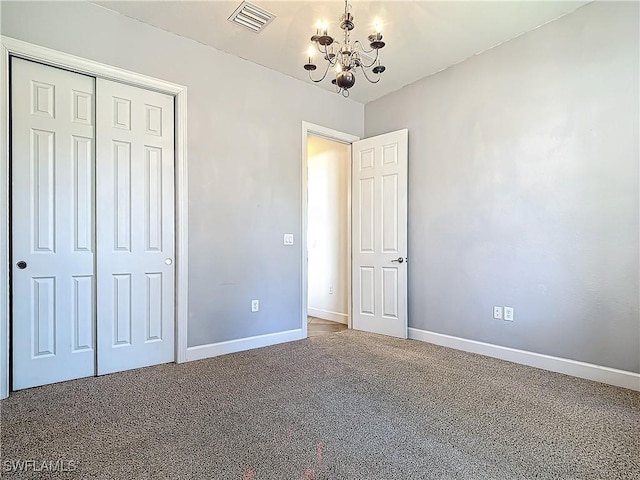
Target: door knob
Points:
(168, 261)
(398, 260)
(21, 265)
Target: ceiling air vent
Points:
(251, 17)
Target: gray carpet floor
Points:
(344, 406)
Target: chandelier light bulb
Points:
(377, 26)
(322, 27)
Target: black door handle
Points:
(21, 265)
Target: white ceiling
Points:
(422, 37)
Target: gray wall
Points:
(523, 190)
(244, 148)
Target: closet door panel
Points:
(52, 224)
(135, 217)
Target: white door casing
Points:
(52, 224)
(379, 248)
(135, 217)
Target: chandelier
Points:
(346, 57)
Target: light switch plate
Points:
(287, 239)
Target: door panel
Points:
(135, 214)
(380, 234)
(52, 224)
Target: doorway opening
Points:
(326, 230)
(377, 230)
(328, 177)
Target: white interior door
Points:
(379, 239)
(52, 224)
(135, 216)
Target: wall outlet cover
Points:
(508, 314)
(497, 313)
(255, 305)
(287, 239)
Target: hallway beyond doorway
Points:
(318, 326)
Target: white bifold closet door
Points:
(135, 216)
(92, 226)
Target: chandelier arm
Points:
(320, 50)
(373, 62)
(338, 48)
(367, 76)
(358, 44)
(323, 76)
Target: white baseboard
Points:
(215, 349)
(328, 315)
(611, 376)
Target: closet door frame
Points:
(12, 47)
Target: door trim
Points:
(10, 46)
(336, 136)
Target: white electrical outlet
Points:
(497, 313)
(330, 288)
(287, 239)
(508, 314)
(255, 305)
